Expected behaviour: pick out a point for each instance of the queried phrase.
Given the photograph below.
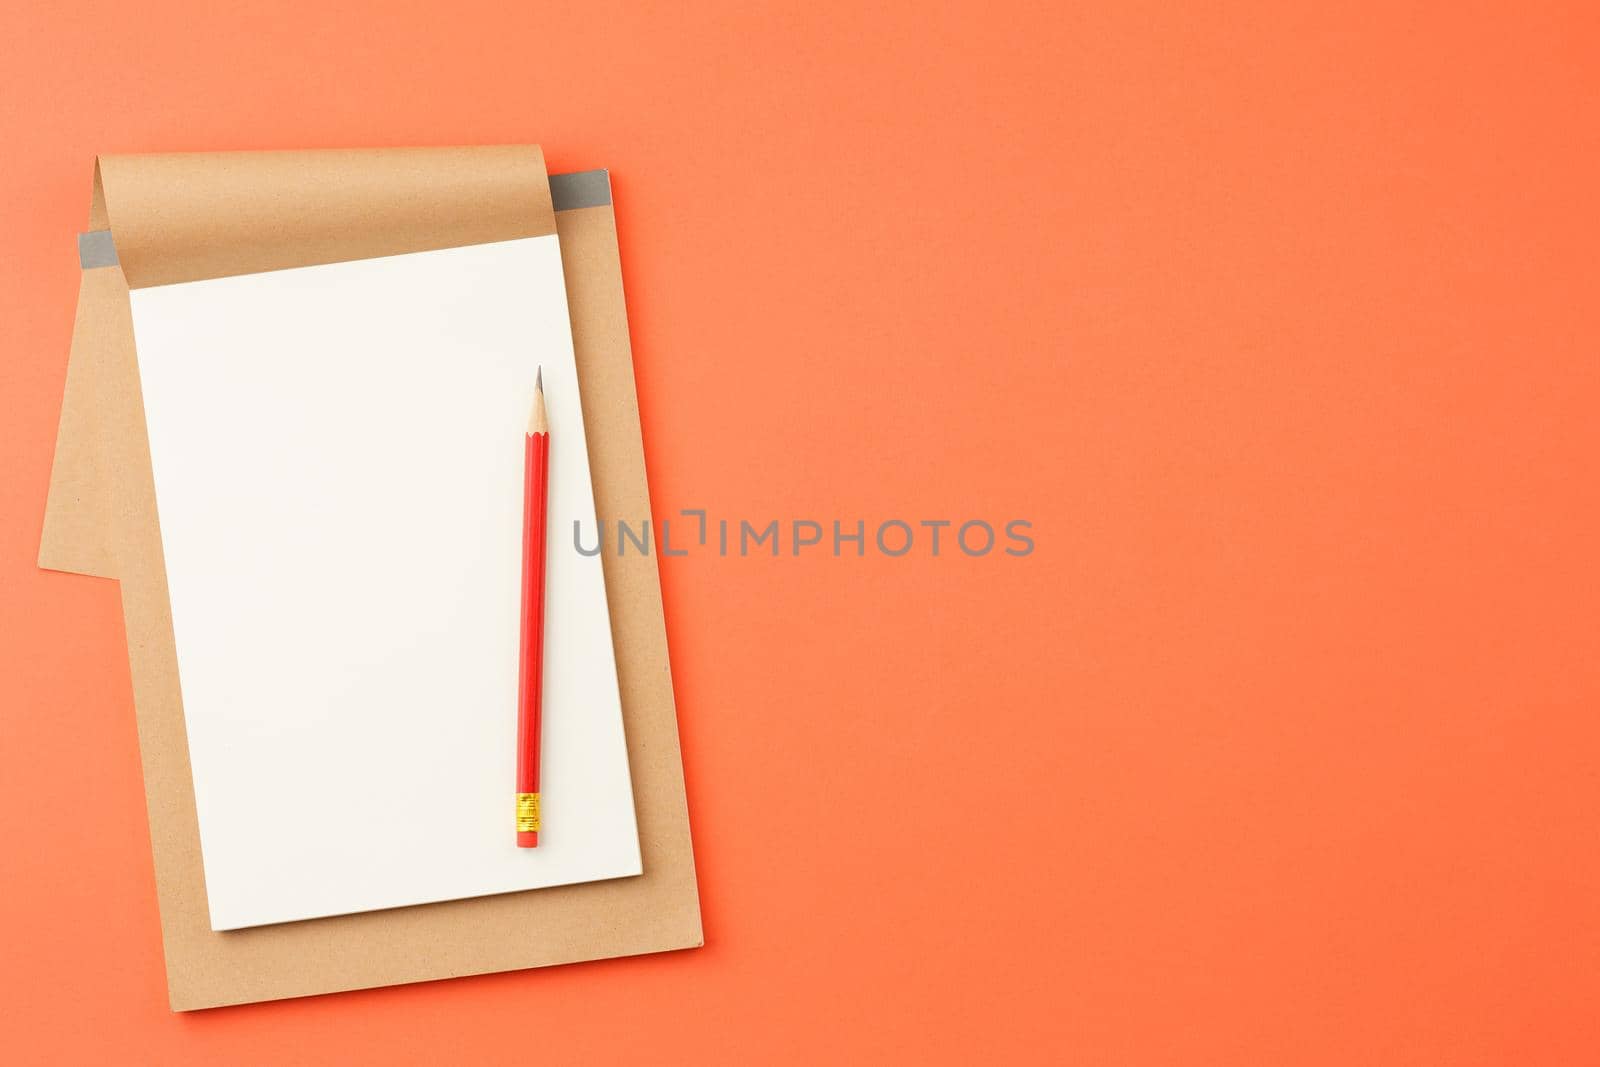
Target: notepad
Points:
(337, 455)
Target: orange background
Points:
(1278, 321)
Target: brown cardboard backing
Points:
(183, 217)
(101, 519)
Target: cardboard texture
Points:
(180, 218)
(190, 217)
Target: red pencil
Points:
(530, 676)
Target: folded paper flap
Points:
(81, 525)
(190, 216)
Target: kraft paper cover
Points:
(191, 217)
(180, 218)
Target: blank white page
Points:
(338, 457)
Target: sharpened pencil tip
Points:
(538, 421)
(538, 378)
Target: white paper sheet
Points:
(338, 460)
